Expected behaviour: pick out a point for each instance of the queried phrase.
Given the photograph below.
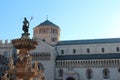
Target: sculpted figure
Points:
(41, 74)
(28, 63)
(35, 69)
(25, 25)
(11, 64)
(5, 76)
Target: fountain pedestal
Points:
(23, 64)
(23, 68)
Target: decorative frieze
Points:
(88, 63)
(41, 56)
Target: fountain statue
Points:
(23, 70)
(25, 29)
(5, 76)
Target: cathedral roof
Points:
(91, 41)
(47, 23)
(89, 56)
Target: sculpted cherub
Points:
(11, 63)
(41, 74)
(5, 76)
(35, 69)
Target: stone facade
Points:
(97, 59)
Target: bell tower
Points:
(48, 32)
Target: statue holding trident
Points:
(25, 25)
(25, 28)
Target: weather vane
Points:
(46, 17)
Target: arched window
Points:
(43, 30)
(117, 49)
(118, 69)
(62, 51)
(102, 49)
(106, 73)
(40, 31)
(54, 39)
(74, 51)
(60, 72)
(88, 50)
(44, 40)
(89, 74)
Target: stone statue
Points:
(11, 64)
(5, 76)
(25, 25)
(28, 63)
(41, 74)
(35, 69)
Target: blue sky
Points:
(78, 19)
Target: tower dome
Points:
(47, 31)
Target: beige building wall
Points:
(48, 63)
(93, 48)
(6, 48)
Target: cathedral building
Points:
(92, 59)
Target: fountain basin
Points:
(23, 43)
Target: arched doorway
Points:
(70, 78)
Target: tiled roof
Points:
(88, 56)
(91, 41)
(48, 23)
